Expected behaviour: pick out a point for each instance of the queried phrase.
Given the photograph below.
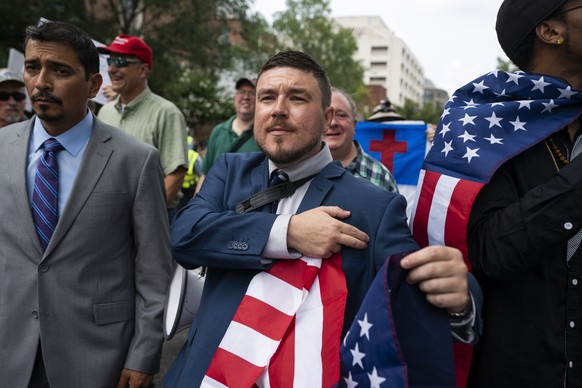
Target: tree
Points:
(306, 26)
(195, 42)
(429, 113)
(506, 65)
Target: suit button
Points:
(35, 314)
(568, 226)
(244, 246)
(43, 268)
(229, 245)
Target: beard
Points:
(12, 116)
(281, 155)
(42, 110)
(47, 117)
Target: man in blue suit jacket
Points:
(326, 215)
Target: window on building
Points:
(377, 79)
(379, 50)
(379, 65)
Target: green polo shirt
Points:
(153, 120)
(221, 140)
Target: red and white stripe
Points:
(286, 331)
(439, 217)
(441, 211)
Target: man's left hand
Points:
(441, 274)
(134, 379)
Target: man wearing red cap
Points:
(144, 114)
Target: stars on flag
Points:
(493, 140)
(548, 106)
(365, 327)
(445, 113)
(567, 93)
(448, 148)
(540, 84)
(468, 119)
(480, 87)
(358, 356)
(514, 77)
(470, 154)
(467, 137)
(445, 128)
(518, 124)
(364, 338)
(470, 105)
(499, 108)
(494, 120)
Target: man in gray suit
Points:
(81, 301)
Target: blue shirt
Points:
(74, 141)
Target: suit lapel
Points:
(320, 187)
(94, 161)
(260, 181)
(18, 154)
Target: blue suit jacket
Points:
(209, 232)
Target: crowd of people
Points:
(290, 217)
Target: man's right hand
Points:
(319, 233)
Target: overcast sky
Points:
(454, 40)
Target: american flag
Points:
(397, 339)
(485, 123)
(286, 330)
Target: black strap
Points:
(241, 140)
(271, 194)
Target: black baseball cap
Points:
(517, 18)
(244, 81)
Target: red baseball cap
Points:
(129, 45)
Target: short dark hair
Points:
(69, 35)
(301, 61)
(522, 55)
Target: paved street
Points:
(169, 353)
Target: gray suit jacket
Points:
(95, 298)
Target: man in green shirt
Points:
(235, 134)
(143, 114)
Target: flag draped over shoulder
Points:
(286, 330)
(398, 339)
(485, 123)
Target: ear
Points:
(328, 116)
(144, 71)
(551, 31)
(95, 81)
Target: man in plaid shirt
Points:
(340, 138)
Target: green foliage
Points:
(200, 98)
(429, 113)
(191, 41)
(307, 26)
(506, 65)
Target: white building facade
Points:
(386, 58)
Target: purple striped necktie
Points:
(46, 192)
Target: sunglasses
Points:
(5, 96)
(120, 62)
